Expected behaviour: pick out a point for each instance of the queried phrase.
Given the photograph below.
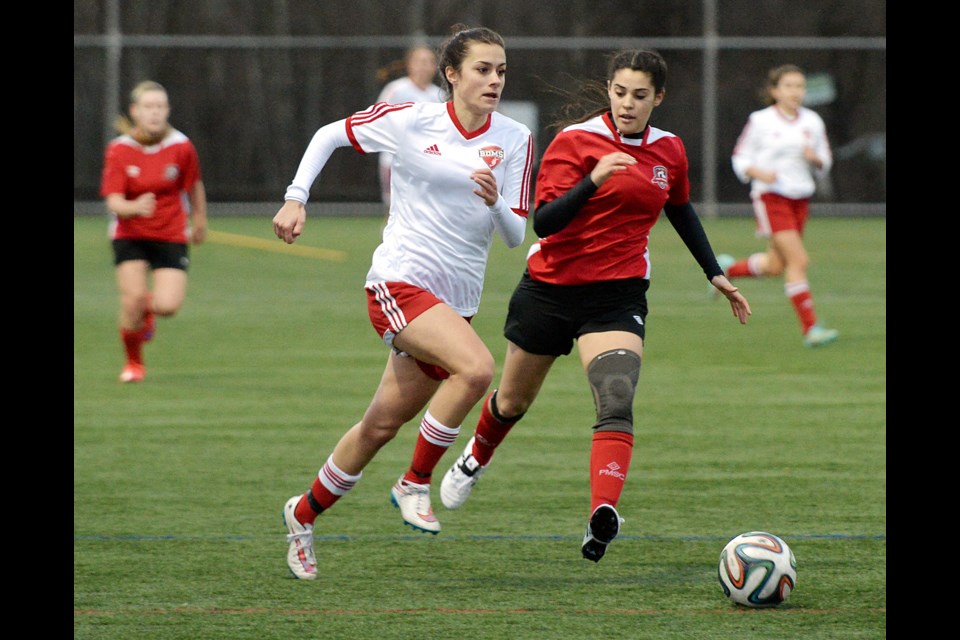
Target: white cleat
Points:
(413, 500)
(300, 558)
(459, 480)
(818, 336)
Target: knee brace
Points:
(613, 377)
(496, 413)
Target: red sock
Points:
(749, 267)
(489, 433)
(802, 301)
(133, 345)
(432, 442)
(739, 269)
(330, 485)
(305, 513)
(610, 456)
(149, 319)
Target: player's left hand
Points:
(738, 304)
(198, 233)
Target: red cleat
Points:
(133, 372)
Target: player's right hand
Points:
(289, 221)
(610, 164)
(146, 204)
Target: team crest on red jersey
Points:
(660, 176)
(492, 155)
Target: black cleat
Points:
(603, 527)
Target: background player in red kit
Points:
(462, 175)
(780, 152)
(146, 172)
(601, 186)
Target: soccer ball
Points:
(757, 569)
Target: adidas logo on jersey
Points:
(433, 150)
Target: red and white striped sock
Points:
(802, 301)
(330, 485)
(432, 442)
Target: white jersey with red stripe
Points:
(405, 90)
(772, 141)
(439, 232)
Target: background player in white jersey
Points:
(417, 85)
(780, 152)
(462, 174)
(602, 183)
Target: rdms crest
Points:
(492, 155)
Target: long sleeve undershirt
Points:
(553, 216)
(687, 224)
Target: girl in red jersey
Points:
(601, 186)
(781, 151)
(147, 172)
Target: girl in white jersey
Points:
(602, 183)
(780, 152)
(462, 174)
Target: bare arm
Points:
(198, 212)
(144, 205)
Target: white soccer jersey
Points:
(772, 141)
(404, 90)
(439, 232)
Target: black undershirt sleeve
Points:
(553, 216)
(687, 224)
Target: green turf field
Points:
(179, 481)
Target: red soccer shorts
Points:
(392, 306)
(775, 213)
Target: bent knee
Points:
(802, 263)
(477, 376)
(376, 433)
(166, 309)
(479, 380)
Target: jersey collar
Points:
(469, 135)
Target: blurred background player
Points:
(602, 183)
(781, 152)
(464, 173)
(418, 85)
(147, 172)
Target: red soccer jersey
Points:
(168, 169)
(607, 239)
